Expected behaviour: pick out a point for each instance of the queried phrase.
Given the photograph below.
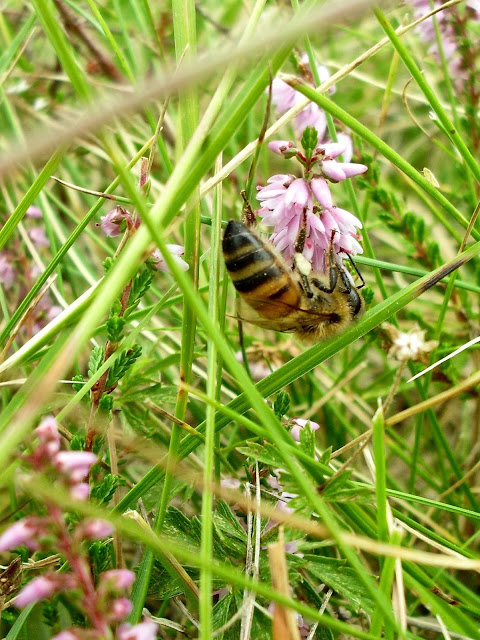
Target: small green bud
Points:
(281, 404)
(309, 141)
(106, 402)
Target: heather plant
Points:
(170, 471)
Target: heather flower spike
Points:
(284, 97)
(289, 204)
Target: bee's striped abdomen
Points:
(258, 275)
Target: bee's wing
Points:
(289, 318)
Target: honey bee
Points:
(314, 306)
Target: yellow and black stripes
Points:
(257, 273)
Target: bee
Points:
(314, 306)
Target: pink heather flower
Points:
(292, 547)
(53, 312)
(146, 630)
(284, 98)
(283, 497)
(38, 237)
(33, 212)
(47, 433)
(117, 579)
(120, 609)
(176, 251)
(280, 146)
(311, 116)
(299, 424)
(80, 492)
(347, 143)
(111, 224)
(94, 529)
(75, 464)
(7, 273)
(23, 533)
(321, 191)
(284, 202)
(39, 588)
(66, 635)
(333, 170)
(446, 22)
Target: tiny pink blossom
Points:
(66, 635)
(80, 492)
(120, 608)
(94, 529)
(333, 170)
(299, 424)
(284, 97)
(47, 433)
(111, 224)
(292, 547)
(331, 150)
(345, 220)
(38, 237)
(53, 312)
(176, 251)
(146, 630)
(352, 169)
(279, 146)
(117, 578)
(321, 191)
(75, 464)
(311, 116)
(33, 212)
(7, 273)
(346, 141)
(39, 588)
(23, 533)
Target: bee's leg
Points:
(249, 218)
(302, 265)
(352, 261)
(354, 297)
(302, 233)
(332, 273)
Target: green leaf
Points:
(266, 454)
(114, 326)
(307, 440)
(140, 286)
(96, 360)
(337, 575)
(122, 364)
(281, 404)
(104, 491)
(227, 522)
(220, 613)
